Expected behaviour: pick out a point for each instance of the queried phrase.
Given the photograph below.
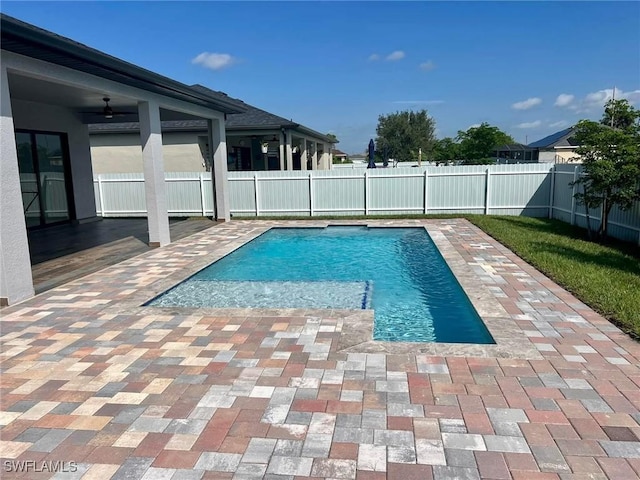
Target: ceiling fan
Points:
(108, 112)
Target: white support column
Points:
(289, 149)
(16, 281)
(314, 155)
(303, 154)
(218, 148)
(153, 167)
(325, 156)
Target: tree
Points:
(620, 115)
(611, 162)
(403, 134)
(477, 143)
(332, 138)
(446, 150)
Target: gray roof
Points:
(31, 41)
(509, 147)
(252, 118)
(563, 138)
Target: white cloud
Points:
(632, 97)
(419, 102)
(373, 57)
(427, 66)
(559, 124)
(564, 100)
(397, 55)
(527, 104)
(534, 124)
(214, 61)
(599, 98)
(475, 125)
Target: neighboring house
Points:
(515, 153)
(53, 87)
(339, 156)
(559, 147)
(256, 140)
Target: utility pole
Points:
(613, 105)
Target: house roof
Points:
(339, 153)
(510, 147)
(252, 118)
(563, 138)
(31, 41)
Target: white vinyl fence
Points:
(536, 190)
(624, 225)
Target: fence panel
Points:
(563, 201)
(184, 196)
(242, 196)
(123, 195)
(283, 196)
(339, 195)
(456, 192)
(513, 191)
(624, 225)
(396, 193)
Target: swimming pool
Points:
(398, 272)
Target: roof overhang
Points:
(25, 39)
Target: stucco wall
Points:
(558, 156)
(568, 156)
(122, 153)
(38, 116)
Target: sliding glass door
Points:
(43, 161)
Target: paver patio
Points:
(91, 376)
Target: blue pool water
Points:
(398, 272)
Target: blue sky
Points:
(530, 68)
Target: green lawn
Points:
(605, 277)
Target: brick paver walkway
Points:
(110, 389)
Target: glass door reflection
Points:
(44, 179)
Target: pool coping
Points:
(356, 326)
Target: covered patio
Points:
(52, 88)
(68, 252)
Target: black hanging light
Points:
(107, 111)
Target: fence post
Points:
(573, 196)
(553, 190)
(487, 192)
(426, 189)
(366, 194)
(101, 195)
(201, 178)
(310, 194)
(255, 189)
